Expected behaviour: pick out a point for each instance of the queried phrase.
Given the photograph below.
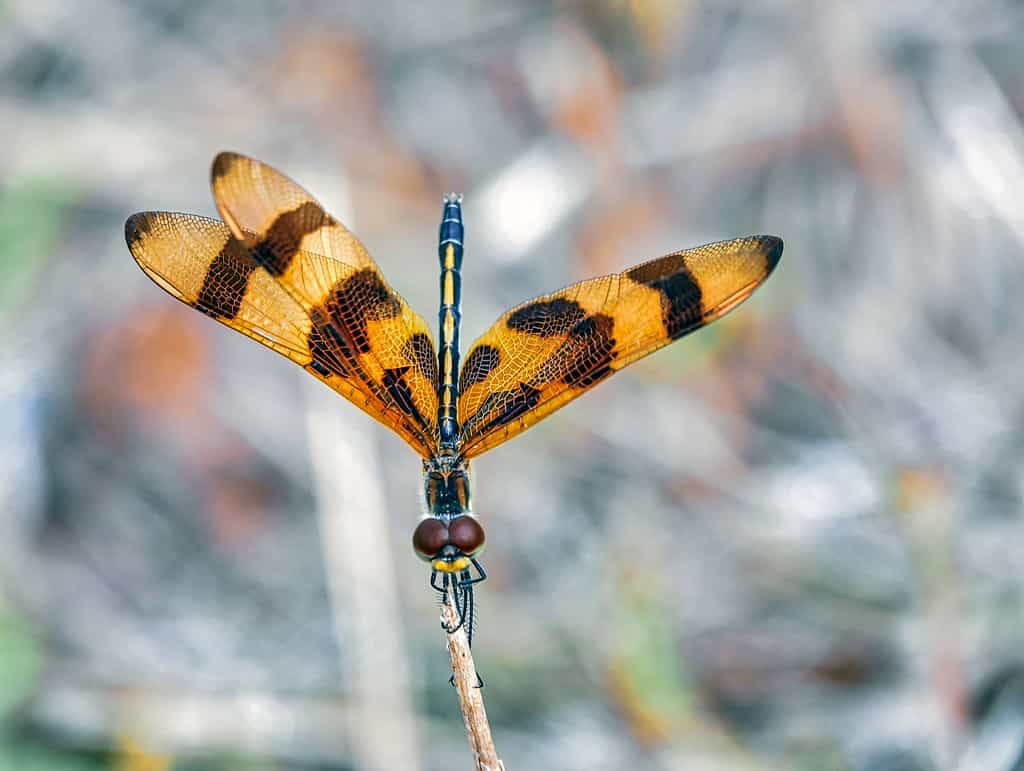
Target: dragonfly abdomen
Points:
(449, 319)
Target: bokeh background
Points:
(793, 541)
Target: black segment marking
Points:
(681, 308)
(225, 282)
(398, 389)
(513, 403)
(420, 350)
(480, 362)
(276, 250)
(327, 347)
(357, 300)
(320, 368)
(546, 318)
(522, 401)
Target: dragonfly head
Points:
(449, 544)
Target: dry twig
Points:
(471, 700)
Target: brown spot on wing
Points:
(276, 249)
(591, 356)
(398, 388)
(478, 365)
(357, 300)
(546, 318)
(327, 347)
(419, 349)
(680, 293)
(226, 282)
(502, 408)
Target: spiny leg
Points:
(447, 582)
(464, 603)
(466, 607)
(469, 609)
(458, 602)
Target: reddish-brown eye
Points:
(429, 538)
(466, 534)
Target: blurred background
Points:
(793, 541)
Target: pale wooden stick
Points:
(364, 604)
(471, 699)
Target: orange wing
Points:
(283, 272)
(544, 353)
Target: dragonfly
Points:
(281, 270)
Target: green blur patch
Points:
(32, 216)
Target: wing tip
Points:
(223, 162)
(136, 227)
(773, 253)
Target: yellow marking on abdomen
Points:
(449, 325)
(449, 288)
(449, 257)
(448, 369)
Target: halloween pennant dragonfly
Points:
(283, 271)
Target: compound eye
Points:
(429, 537)
(467, 535)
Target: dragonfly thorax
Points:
(449, 535)
(446, 486)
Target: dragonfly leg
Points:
(443, 589)
(479, 681)
(465, 606)
(468, 604)
(459, 603)
(466, 579)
